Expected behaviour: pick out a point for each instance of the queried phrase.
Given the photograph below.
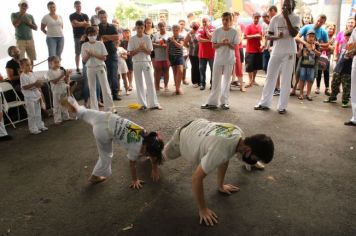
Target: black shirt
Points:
(78, 31)
(15, 66)
(108, 29)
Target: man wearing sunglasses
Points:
(211, 145)
(24, 23)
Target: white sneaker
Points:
(36, 132)
(44, 128)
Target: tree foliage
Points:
(219, 7)
(126, 12)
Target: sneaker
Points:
(329, 100)
(207, 106)
(345, 105)
(116, 98)
(261, 108)
(195, 85)
(282, 111)
(44, 128)
(317, 90)
(276, 92)
(349, 123)
(5, 138)
(235, 83)
(202, 87)
(327, 92)
(225, 107)
(78, 71)
(36, 132)
(309, 98)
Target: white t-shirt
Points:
(122, 66)
(99, 48)
(60, 87)
(32, 94)
(225, 55)
(209, 143)
(287, 44)
(160, 53)
(353, 40)
(135, 43)
(54, 27)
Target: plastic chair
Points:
(4, 87)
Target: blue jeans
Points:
(112, 69)
(306, 74)
(202, 68)
(266, 56)
(85, 88)
(55, 46)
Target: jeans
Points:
(112, 69)
(55, 46)
(202, 68)
(85, 88)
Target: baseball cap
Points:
(311, 31)
(23, 2)
(256, 14)
(264, 14)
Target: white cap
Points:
(23, 2)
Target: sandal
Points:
(300, 97)
(309, 98)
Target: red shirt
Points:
(253, 45)
(206, 49)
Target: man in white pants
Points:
(224, 41)
(140, 47)
(282, 30)
(352, 51)
(109, 128)
(3, 134)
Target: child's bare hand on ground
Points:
(228, 189)
(208, 216)
(137, 184)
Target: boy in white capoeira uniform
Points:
(109, 128)
(140, 47)
(211, 145)
(351, 47)
(282, 30)
(224, 41)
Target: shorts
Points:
(77, 46)
(161, 64)
(176, 60)
(28, 47)
(306, 74)
(129, 64)
(253, 62)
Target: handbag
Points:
(323, 61)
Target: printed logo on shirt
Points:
(220, 130)
(134, 133)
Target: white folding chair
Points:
(4, 87)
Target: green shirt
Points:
(23, 31)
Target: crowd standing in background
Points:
(293, 52)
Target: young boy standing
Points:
(30, 88)
(140, 47)
(224, 41)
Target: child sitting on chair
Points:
(30, 87)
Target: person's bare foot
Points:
(242, 89)
(100, 104)
(249, 85)
(128, 93)
(179, 92)
(96, 179)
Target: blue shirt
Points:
(320, 34)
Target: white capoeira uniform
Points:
(281, 63)
(204, 142)
(108, 127)
(142, 65)
(353, 80)
(59, 89)
(224, 62)
(2, 125)
(32, 103)
(96, 69)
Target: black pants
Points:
(195, 73)
(326, 78)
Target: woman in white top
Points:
(52, 26)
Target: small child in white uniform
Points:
(59, 79)
(30, 87)
(122, 66)
(108, 127)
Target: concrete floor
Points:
(308, 189)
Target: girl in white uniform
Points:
(59, 79)
(108, 127)
(122, 67)
(30, 88)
